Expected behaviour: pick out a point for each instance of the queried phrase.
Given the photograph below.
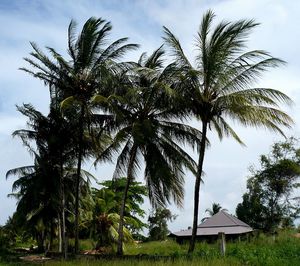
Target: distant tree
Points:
(158, 228)
(269, 202)
(216, 207)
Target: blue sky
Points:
(45, 22)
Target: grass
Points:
(264, 250)
(177, 262)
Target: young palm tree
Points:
(105, 222)
(74, 81)
(218, 88)
(146, 128)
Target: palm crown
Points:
(146, 123)
(218, 87)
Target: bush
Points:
(4, 240)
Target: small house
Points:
(222, 222)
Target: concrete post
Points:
(222, 242)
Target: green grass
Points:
(264, 250)
(177, 262)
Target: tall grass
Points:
(262, 250)
(178, 262)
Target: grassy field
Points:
(284, 250)
(178, 262)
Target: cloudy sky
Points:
(45, 22)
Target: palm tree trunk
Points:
(122, 209)
(63, 227)
(197, 186)
(51, 235)
(80, 147)
(59, 233)
(64, 246)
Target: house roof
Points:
(222, 219)
(220, 222)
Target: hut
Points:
(222, 222)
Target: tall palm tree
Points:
(40, 186)
(218, 87)
(89, 70)
(146, 130)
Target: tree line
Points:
(136, 115)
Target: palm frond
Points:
(173, 43)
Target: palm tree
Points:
(215, 208)
(44, 182)
(146, 127)
(74, 81)
(219, 88)
(105, 222)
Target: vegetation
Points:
(218, 87)
(103, 226)
(261, 250)
(215, 208)
(158, 228)
(137, 115)
(269, 201)
(144, 130)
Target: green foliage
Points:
(4, 240)
(215, 208)
(218, 87)
(268, 203)
(75, 80)
(147, 262)
(101, 107)
(103, 222)
(144, 130)
(135, 198)
(161, 248)
(262, 250)
(158, 228)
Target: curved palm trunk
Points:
(197, 186)
(122, 209)
(80, 152)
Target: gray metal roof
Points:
(220, 222)
(222, 218)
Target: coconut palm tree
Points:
(218, 87)
(215, 208)
(89, 70)
(105, 222)
(47, 140)
(147, 130)
(37, 184)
